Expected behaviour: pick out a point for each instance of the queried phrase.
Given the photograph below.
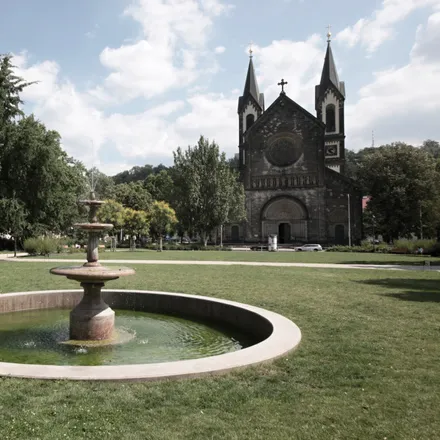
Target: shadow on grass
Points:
(415, 290)
(397, 263)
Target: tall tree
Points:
(133, 195)
(160, 186)
(10, 88)
(205, 187)
(37, 172)
(403, 184)
(163, 220)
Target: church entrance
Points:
(235, 234)
(339, 234)
(286, 217)
(283, 233)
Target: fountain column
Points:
(92, 319)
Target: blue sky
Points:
(127, 81)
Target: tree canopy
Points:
(403, 183)
(207, 191)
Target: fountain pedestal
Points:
(92, 319)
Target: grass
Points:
(293, 257)
(367, 367)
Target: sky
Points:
(125, 82)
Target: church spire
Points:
(251, 85)
(251, 104)
(329, 105)
(329, 74)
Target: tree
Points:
(10, 88)
(138, 173)
(160, 186)
(403, 184)
(133, 195)
(206, 188)
(114, 213)
(431, 147)
(163, 220)
(35, 170)
(12, 219)
(136, 223)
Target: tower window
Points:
(250, 119)
(330, 118)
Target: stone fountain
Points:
(92, 319)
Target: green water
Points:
(34, 337)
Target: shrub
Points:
(405, 246)
(186, 247)
(42, 246)
(365, 247)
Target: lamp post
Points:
(349, 219)
(374, 232)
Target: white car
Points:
(309, 248)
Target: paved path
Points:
(230, 263)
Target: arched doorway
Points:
(290, 213)
(284, 233)
(235, 234)
(339, 234)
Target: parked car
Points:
(309, 248)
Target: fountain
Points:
(159, 334)
(92, 319)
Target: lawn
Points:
(367, 366)
(284, 257)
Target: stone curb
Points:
(285, 337)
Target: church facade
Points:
(292, 167)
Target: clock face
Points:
(331, 150)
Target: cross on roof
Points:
(282, 84)
(329, 34)
(250, 50)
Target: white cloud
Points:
(401, 103)
(170, 54)
(220, 49)
(374, 31)
(298, 62)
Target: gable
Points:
(285, 110)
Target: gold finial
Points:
(329, 34)
(250, 50)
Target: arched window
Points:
(250, 119)
(330, 118)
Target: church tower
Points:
(329, 106)
(251, 104)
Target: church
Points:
(291, 164)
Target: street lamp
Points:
(374, 234)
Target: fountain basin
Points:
(93, 227)
(276, 335)
(92, 272)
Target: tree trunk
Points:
(15, 246)
(204, 237)
(160, 243)
(221, 236)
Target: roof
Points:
(284, 99)
(329, 76)
(251, 88)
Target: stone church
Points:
(292, 166)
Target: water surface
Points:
(36, 336)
